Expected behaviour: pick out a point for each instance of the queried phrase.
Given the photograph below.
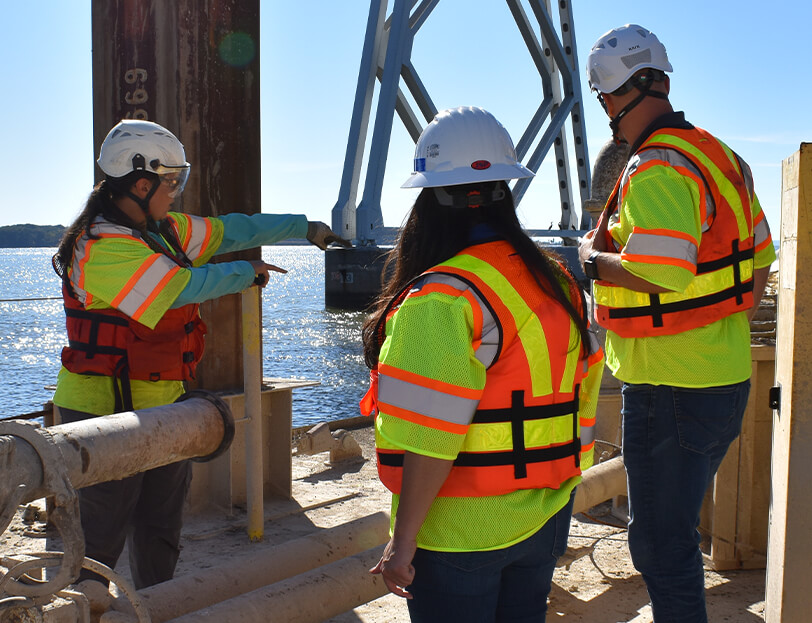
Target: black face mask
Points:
(469, 195)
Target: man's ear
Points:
(667, 83)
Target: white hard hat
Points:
(464, 145)
(134, 145)
(621, 52)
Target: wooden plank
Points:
(735, 513)
(789, 562)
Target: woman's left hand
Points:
(262, 272)
(395, 566)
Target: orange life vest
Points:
(107, 342)
(724, 269)
(512, 394)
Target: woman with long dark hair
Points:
(133, 275)
(484, 387)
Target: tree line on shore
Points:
(29, 236)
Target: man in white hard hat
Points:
(679, 259)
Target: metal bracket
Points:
(64, 515)
(775, 398)
(225, 413)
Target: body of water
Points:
(300, 338)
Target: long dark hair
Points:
(434, 233)
(102, 201)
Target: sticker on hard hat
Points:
(419, 165)
(480, 165)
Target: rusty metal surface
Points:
(115, 446)
(193, 67)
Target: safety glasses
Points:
(175, 180)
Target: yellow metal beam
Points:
(252, 366)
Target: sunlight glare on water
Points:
(31, 332)
(301, 339)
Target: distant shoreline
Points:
(27, 236)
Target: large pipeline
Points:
(329, 590)
(243, 574)
(600, 482)
(109, 447)
(53, 462)
(314, 596)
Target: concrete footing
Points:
(352, 277)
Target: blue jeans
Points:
(509, 584)
(674, 439)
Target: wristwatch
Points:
(591, 265)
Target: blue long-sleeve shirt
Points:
(240, 232)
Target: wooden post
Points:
(789, 555)
(193, 67)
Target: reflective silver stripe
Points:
(587, 435)
(761, 233)
(748, 176)
(594, 343)
(675, 159)
(425, 401)
(200, 230)
(491, 330)
(79, 251)
(147, 283)
(661, 246)
(100, 227)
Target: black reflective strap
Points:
(189, 327)
(678, 306)
(733, 259)
(494, 459)
(536, 455)
(92, 348)
(517, 430)
(537, 412)
(517, 414)
(656, 309)
(123, 397)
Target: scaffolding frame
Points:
(386, 58)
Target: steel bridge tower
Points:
(352, 276)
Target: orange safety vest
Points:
(107, 342)
(511, 395)
(724, 268)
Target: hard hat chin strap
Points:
(143, 203)
(643, 83)
(469, 195)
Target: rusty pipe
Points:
(110, 447)
(600, 482)
(309, 597)
(241, 575)
(345, 584)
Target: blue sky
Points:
(740, 70)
